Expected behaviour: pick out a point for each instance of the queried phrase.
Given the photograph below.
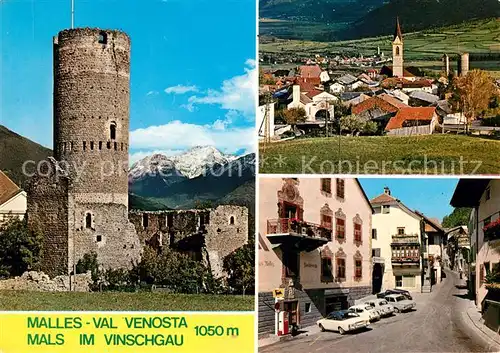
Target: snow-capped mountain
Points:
(189, 164)
(202, 173)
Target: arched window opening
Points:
(103, 38)
(112, 131)
(88, 220)
(231, 220)
(397, 50)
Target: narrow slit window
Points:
(92, 145)
(88, 220)
(145, 220)
(84, 145)
(112, 131)
(100, 145)
(231, 220)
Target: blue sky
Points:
(431, 196)
(192, 69)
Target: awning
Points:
(295, 242)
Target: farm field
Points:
(119, 301)
(429, 155)
(478, 37)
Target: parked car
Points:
(384, 308)
(385, 293)
(366, 311)
(342, 321)
(400, 302)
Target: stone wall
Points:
(92, 94)
(40, 282)
(110, 235)
(208, 234)
(47, 212)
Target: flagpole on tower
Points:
(72, 14)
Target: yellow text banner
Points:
(88, 332)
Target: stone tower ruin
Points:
(80, 201)
(463, 64)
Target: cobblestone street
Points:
(438, 325)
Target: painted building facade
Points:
(396, 245)
(314, 246)
(483, 195)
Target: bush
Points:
(355, 125)
(20, 248)
(494, 121)
(89, 263)
(240, 267)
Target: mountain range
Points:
(200, 176)
(333, 20)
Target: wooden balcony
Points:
(406, 260)
(404, 239)
(296, 235)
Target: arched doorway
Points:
(322, 115)
(377, 276)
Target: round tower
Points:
(91, 111)
(463, 64)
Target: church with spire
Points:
(397, 52)
(397, 70)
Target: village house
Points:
(314, 249)
(434, 243)
(457, 248)
(315, 102)
(413, 121)
(396, 245)
(422, 99)
(12, 200)
(310, 71)
(483, 195)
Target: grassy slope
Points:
(371, 152)
(143, 301)
(15, 150)
(475, 37)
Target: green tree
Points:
(472, 94)
(459, 217)
(240, 267)
(20, 248)
(356, 125)
(293, 116)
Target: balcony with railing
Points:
(299, 235)
(405, 239)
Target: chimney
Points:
(296, 95)
(387, 191)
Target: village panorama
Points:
(334, 111)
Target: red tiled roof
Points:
(417, 84)
(406, 73)
(410, 113)
(8, 189)
(374, 102)
(310, 71)
(383, 198)
(392, 100)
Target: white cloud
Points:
(177, 135)
(180, 89)
(237, 93)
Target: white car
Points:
(342, 321)
(365, 311)
(384, 308)
(400, 302)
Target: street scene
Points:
(439, 324)
(379, 265)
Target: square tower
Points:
(397, 52)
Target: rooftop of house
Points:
(392, 100)
(410, 114)
(308, 71)
(374, 102)
(8, 189)
(424, 96)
